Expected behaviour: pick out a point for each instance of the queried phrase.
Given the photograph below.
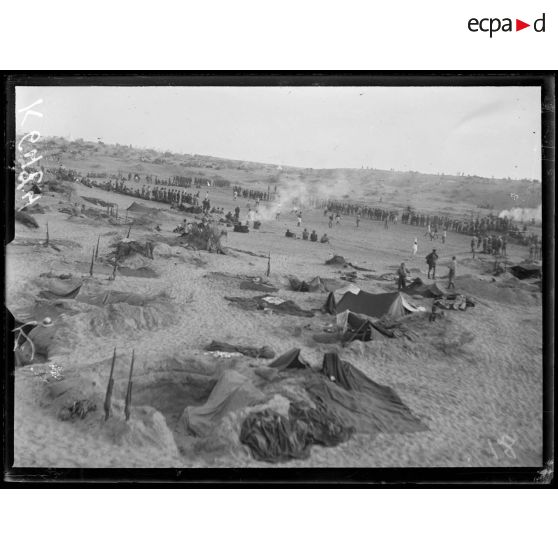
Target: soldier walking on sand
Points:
(431, 260)
(415, 248)
(402, 273)
(452, 271)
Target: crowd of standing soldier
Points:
(479, 226)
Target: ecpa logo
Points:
(494, 24)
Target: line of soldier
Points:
(480, 226)
(239, 192)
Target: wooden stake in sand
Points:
(128, 404)
(97, 248)
(113, 277)
(110, 385)
(47, 236)
(128, 235)
(268, 271)
(92, 260)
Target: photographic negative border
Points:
(312, 477)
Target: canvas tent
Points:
(393, 305)
(316, 284)
(354, 327)
(418, 287)
(288, 360)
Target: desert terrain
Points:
(473, 378)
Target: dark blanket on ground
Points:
(357, 401)
(258, 303)
(241, 228)
(262, 352)
(273, 437)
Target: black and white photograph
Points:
(284, 275)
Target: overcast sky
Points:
(488, 131)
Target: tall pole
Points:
(110, 385)
(128, 403)
(92, 260)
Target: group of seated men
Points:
(313, 236)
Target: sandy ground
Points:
(481, 399)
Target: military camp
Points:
(183, 310)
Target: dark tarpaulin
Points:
(418, 287)
(290, 359)
(359, 402)
(330, 305)
(316, 284)
(526, 271)
(357, 329)
(375, 305)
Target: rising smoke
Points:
(296, 192)
(523, 214)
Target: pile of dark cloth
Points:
(260, 303)
(241, 228)
(273, 437)
(343, 401)
(262, 352)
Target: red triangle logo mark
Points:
(519, 25)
